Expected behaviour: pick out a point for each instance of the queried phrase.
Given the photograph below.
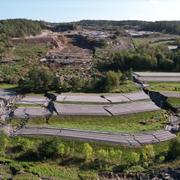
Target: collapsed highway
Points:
(67, 104)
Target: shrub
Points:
(112, 80)
(148, 153)
(115, 155)
(23, 144)
(3, 142)
(135, 169)
(132, 158)
(61, 149)
(161, 159)
(103, 157)
(48, 148)
(88, 152)
(174, 149)
(38, 80)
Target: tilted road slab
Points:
(23, 112)
(33, 100)
(6, 94)
(137, 96)
(158, 76)
(171, 94)
(116, 98)
(81, 109)
(126, 139)
(92, 98)
(160, 79)
(133, 107)
(90, 110)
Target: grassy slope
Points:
(165, 86)
(174, 101)
(132, 123)
(127, 87)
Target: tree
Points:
(4, 45)
(88, 152)
(61, 149)
(38, 80)
(174, 149)
(20, 27)
(103, 157)
(23, 144)
(115, 156)
(147, 154)
(132, 158)
(48, 148)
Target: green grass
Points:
(174, 101)
(139, 122)
(141, 41)
(127, 87)
(48, 169)
(25, 176)
(52, 170)
(30, 52)
(161, 42)
(8, 86)
(29, 105)
(165, 86)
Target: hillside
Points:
(80, 54)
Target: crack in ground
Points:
(108, 111)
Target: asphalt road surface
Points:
(6, 94)
(88, 98)
(89, 110)
(171, 94)
(126, 139)
(158, 77)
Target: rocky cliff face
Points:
(165, 174)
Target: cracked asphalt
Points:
(127, 139)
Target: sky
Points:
(74, 10)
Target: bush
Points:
(23, 144)
(15, 168)
(88, 152)
(148, 153)
(112, 80)
(39, 80)
(132, 158)
(135, 169)
(161, 159)
(3, 142)
(48, 149)
(61, 149)
(26, 176)
(103, 157)
(174, 149)
(115, 156)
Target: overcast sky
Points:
(73, 10)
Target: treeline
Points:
(145, 58)
(61, 27)
(20, 27)
(106, 23)
(171, 27)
